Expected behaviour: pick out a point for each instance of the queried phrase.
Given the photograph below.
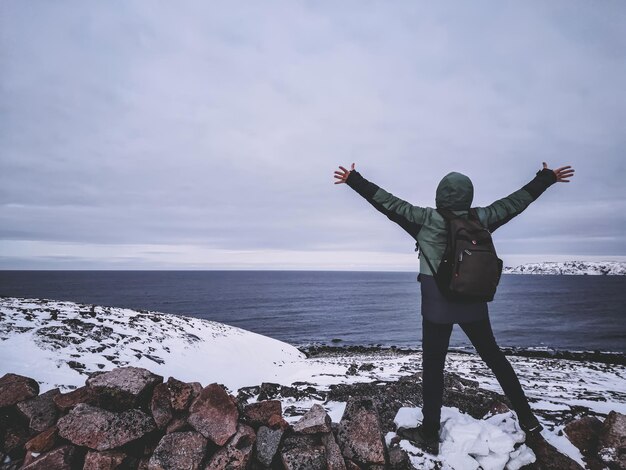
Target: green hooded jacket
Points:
(455, 192)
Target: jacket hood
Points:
(455, 192)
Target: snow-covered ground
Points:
(60, 343)
(570, 267)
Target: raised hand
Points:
(562, 174)
(343, 175)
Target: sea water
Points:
(348, 308)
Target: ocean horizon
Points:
(352, 308)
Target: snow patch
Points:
(492, 443)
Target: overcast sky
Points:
(204, 135)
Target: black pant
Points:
(435, 340)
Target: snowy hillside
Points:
(60, 343)
(614, 268)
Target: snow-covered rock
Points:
(610, 268)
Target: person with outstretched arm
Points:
(427, 227)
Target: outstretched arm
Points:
(503, 210)
(409, 217)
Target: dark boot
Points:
(529, 423)
(425, 439)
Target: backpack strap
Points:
(447, 214)
(473, 215)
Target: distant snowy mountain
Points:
(611, 268)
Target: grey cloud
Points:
(220, 124)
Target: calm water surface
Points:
(301, 307)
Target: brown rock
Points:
(161, 406)
(277, 422)
(303, 452)
(124, 387)
(584, 433)
(179, 450)
(106, 460)
(13, 465)
(197, 388)
(267, 443)
(61, 458)
(29, 457)
(179, 423)
(236, 454)
(350, 465)
(214, 414)
(67, 401)
(40, 410)
(16, 388)
(182, 394)
(548, 458)
(334, 458)
(259, 413)
(399, 459)
(612, 441)
(269, 390)
(316, 420)
(14, 431)
(359, 434)
(100, 429)
(497, 407)
(43, 441)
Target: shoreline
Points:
(603, 357)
